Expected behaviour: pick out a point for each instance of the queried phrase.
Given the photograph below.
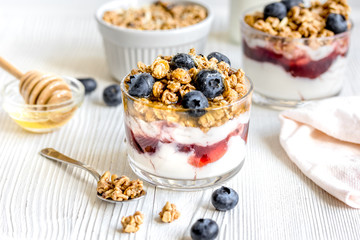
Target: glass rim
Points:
(38, 107)
(255, 8)
(242, 99)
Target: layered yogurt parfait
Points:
(295, 52)
(186, 120)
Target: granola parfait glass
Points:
(295, 59)
(177, 138)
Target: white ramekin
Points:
(125, 47)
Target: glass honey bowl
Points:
(41, 118)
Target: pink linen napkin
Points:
(323, 139)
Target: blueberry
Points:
(204, 229)
(182, 60)
(112, 95)
(89, 84)
(219, 56)
(210, 83)
(224, 198)
(336, 23)
(291, 3)
(276, 9)
(196, 101)
(141, 85)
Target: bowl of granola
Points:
(186, 120)
(134, 30)
(295, 52)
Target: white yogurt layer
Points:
(169, 163)
(273, 81)
(185, 135)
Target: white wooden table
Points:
(41, 199)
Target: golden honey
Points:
(42, 118)
(40, 122)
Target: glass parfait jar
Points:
(287, 71)
(170, 148)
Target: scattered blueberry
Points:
(196, 101)
(336, 23)
(210, 83)
(141, 85)
(276, 9)
(291, 3)
(204, 229)
(219, 56)
(182, 60)
(89, 84)
(224, 198)
(112, 95)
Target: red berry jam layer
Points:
(201, 155)
(302, 66)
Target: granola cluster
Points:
(157, 16)
(119, 188)
(169, 213)
(131, 224)
(172, 84)
(301, 22)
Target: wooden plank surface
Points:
(41, 199)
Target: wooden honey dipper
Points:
(38, 88)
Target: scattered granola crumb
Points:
(169, 213)
(119, 188)
(131, 224)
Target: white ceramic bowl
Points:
(125, 47)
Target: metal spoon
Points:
(52, 154)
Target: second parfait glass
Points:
(288, 71)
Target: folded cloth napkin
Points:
(323, 139)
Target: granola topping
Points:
(301, 21)
(157, 16)
(131, 224)
(181, 75)
(169, 213)
(171, 85)
(119, 188)
(159, 68)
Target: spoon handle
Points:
(52, 154)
